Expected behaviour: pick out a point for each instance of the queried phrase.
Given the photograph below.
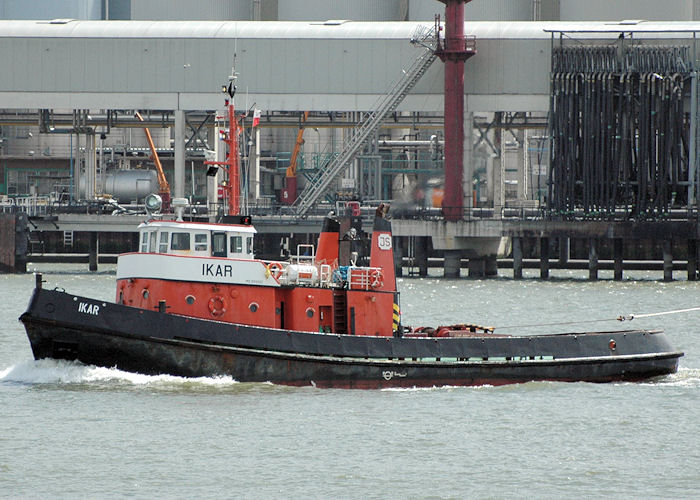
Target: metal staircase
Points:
(318, 185)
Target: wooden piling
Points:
(668, 261)
(544, 258)
(692, 260)
(592, 259)
(93, 251)
(618, 251)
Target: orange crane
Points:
(163, 186)
(289, 193)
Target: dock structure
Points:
(479, 246)
(569, 144)
(14, 242)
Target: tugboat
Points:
(194, 301)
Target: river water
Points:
(73, 431)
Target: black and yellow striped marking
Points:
(396, 317)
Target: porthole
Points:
(189, 299)
(253, 307)
(145, 293)
(310, 312)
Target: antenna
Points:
(231, 90)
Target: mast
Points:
(232, 163)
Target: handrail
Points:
(318, 185)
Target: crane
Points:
(163, 186)
(289, 193)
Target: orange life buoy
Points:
(375, 278)
(217, 306)
(274, 269)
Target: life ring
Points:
(217, 306)
(274, 269)
(375, 279)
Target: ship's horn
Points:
(382, 252)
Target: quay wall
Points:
(554, 244)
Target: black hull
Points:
(106, 334)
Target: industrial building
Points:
(75, 78)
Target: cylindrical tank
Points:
(356, 10)
(493, 10)
(299, 273)
(51, 9)
(127, 186)
(187, 10)
(605, 10)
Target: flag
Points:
(256, 117)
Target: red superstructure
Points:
(205, 270)
(209, 271)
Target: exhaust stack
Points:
(328, 243)
(382, 250)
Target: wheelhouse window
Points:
(200, 242)
(218, 244)
(163, 243)
(180, 241)
(236, 244)
(249, 245)
(152, 242)
(144, 242)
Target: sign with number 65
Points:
(384, 241)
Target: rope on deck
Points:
(628, 317)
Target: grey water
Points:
(74, 431)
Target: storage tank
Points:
(127, 186)
(618, 10)
(187, 10)
(479, 10)
(356, 10)
(51, 9)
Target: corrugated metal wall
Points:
(358, 10)
(477, 10)
(192, 10)
(119, 10)
(51, 9)
(282, 66)
(564, 10)
(607, 10)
